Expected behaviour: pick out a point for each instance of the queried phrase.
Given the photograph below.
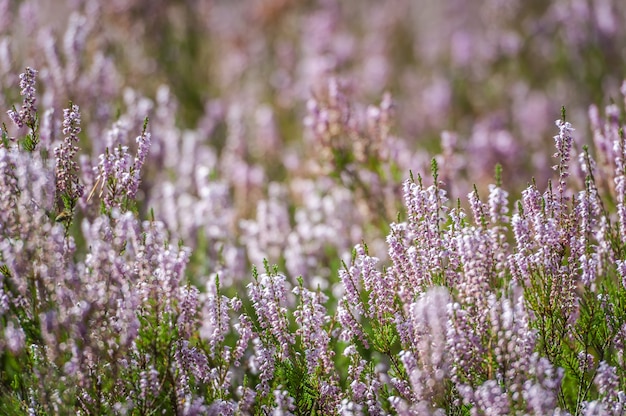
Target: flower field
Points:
(281, 207)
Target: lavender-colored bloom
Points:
(619, 150)
(425, 359)
(381, 287)
(187, 319)
(49, 129)
(118, 174)
(74, 44)
(268, 294)
(475, 248)
(417, 250)
(563, 142)
(244, 329)
(219, 408)
(541, 233)
(285, 404)
(498, 205)
(196, 407)
(68, 182)
(621, 269)
(27, 114)
(148, 383)
(350, 327)
(618, 343)
(612, 400)
(583, 248)
(362, 275)
(364, 387)
(14, 338)
(267, 234)
(479, 209)
(351, 280)
(247, 397)
(215, 320)
(143, 146)
(194, 362)
(518, 379)
(263, 363)
(311, 317)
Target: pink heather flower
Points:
(381, 287)
(266, 236)
(26, 115)
(246, 401)
(465, 344)
(425, 358)
(621, 269)
(263, 363)
(143, 147)
(587, 163)
(619, 150)
(618, 343)
(330, 395)
(479, 210)
(585, 361)
(350, 327)
(311, 317)
(14, 338)
(285, 404)
(351, 282)
(196, 407)
(475, 248)
(66, 167)
(118, 173)
(362, 275)
(364, 387)
(194, 362)
(583, 250)
(268, 294)
(608, 383)
(74, 44)
(187, 318)
(49, 129)
(221, 408)
(563, 142)
(550, 231)
(401, 267)
(416, 248)
(498, 205)
(244, 329)
(519, 380)
(429, 318)
(490, 398)
(215, 322)
(182, 382)
(516, 340)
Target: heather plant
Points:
(506, 66)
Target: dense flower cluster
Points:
(68, 183)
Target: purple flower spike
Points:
(26, 115)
